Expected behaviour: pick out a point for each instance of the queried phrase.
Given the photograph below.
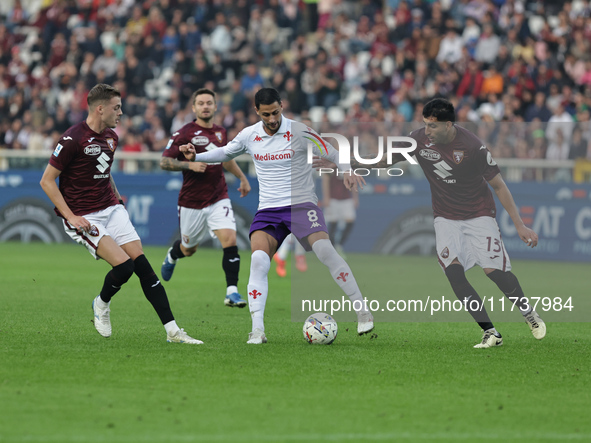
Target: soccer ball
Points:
(320, 328)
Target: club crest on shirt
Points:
(458, 156)
(111, 143)
(93, 231)
(445, 253)
(218, 135)
(185, 238)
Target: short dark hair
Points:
(441, 109)
(101, 92)
(202, 91)
(266, 96)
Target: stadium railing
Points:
(514, 169)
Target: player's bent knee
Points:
(142, 267)
(187, 252)
(260, 262)
(124, 271)
(456, 275)
(324, 250)
(505, 279)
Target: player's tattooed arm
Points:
(172, 164)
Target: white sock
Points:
(283, 250)
(340, 271)
(231, 290)
(171, 327)
(101, 304)
(258, 287)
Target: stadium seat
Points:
(316, 114)
(336, 114)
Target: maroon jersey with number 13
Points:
(458, 173)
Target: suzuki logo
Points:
(103, 161)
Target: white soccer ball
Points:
(320, 328)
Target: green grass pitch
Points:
(417, 381)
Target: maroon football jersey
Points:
(84, 159)
(200, 189)
(458, 173)
(337, 188)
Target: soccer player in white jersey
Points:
(287, 202)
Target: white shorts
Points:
(195, 223)
(338, 210)
(473, 242)
(113, 221)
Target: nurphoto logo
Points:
(390, 144)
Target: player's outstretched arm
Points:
(219, 155)
(526, 234)
(232, 167)
(51, 189)
(172, 164)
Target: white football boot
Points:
(364, 322)
(256, 337)
(182, 337)
(490, 339)
(101, 319)
(536, 324)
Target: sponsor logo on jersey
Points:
(273, 156)
(430, 154)
(490, 160)
(93, 231)
(218, 135)
(200, 140)
(169, 144)
(57, 151)
(458, 156)
(258, 139)
(90, 139)
(445, 253)
(111, 143)
(92, 150)
(429, 145)
(67, 138)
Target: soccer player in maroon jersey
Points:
(93, 213)
(203, 200)
(460, 169)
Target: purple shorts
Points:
(301, 220)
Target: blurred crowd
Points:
(517, 69)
